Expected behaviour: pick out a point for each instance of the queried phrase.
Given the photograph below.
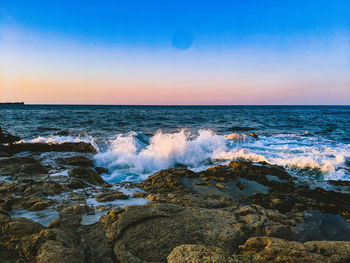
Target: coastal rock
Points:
(166, 180)
(53, 245)
(76, 183)
(7, 138)
(101, 170)
(197, 254)
(23, 240)
(12, 233)
(110, 196)
(253, 135)
(76, 161)
(4, 154)
(87, 175)
(96, 246)
(41, 205)
(150, 232)
(50, 147)
(267, 249)
(26, 165)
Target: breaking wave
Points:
(134, 156)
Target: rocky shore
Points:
(56, 207)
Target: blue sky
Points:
(184, 52)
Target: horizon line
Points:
(100, 104)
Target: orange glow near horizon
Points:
(58, 73)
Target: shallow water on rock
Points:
(89, 219)
(230, 190)
(43, 217)
(322, 226)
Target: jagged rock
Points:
(87, 175)
(166, 180)
(76, 161)
(7, 138)
(26, 165)
(101, 170)
(110, 196)
(4, 154)
(22, 240)
(253, 135)
(151, 232)
(139, 195)
(96, 246)
(76, 183)
(198, 254)
(49, 147)
(12, 232)
(41, 205)
(267, 249)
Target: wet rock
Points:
(220, 186)
(166, 180)
(101, 170)
(53, 245)
(19, 227)
(265, 249)
(197, 254)
(235, 137)
(7, 138)
(76, 161)
(139, 195)
(46, 188)
(4, 154)
(76, 183)
(22, 240)
(49, 147)
(12, 232)
(56, 252)
(253, 135)
(41, 205)
(86, 175)
(110, 196)
(26, 165)
(96, 246)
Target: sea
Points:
(311, 142)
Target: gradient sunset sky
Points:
(175, 52)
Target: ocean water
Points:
(311, 142)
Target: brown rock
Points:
(220, 186)
(110, 196)
(76, 161)
(26, 165)
(197, 254)
(166, 180)
(139, 195)
(264, 249)
(87, 175)
(49, 147)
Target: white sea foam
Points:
(129, 158)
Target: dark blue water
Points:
(135, 141)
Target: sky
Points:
(175, 52)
